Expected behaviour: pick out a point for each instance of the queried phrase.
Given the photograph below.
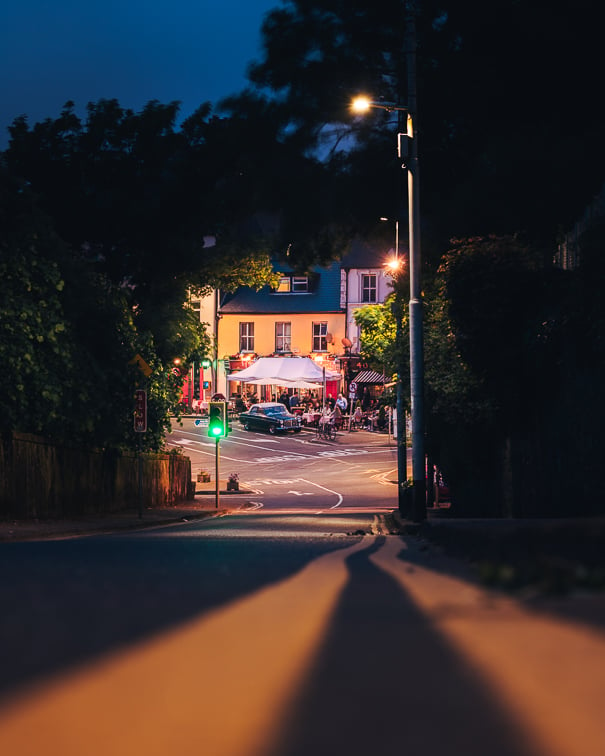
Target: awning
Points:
(368, 376)
(284, 371)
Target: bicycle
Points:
(326, 430)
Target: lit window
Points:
(246, 337)
(284, 284)
(283, 337)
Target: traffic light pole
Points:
(217, 472)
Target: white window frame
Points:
(300, 284)
(369, 288)
(284, 285)
(283, 336)
(320, 336)
(246, 337)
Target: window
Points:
(283, 332)
(196, 305)
(246, 337)
(300, 283)
(368, 287)
(320, 333)
(292, 284)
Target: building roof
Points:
(365, 254)
(360, 255)
(323, 295)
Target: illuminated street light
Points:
(396, 262)
(416, 508)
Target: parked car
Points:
(270, 416)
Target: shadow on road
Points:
(387, 683)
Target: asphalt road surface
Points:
(299, 471)
(281, 635)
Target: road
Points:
(278, 634)
(299, 471)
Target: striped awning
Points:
(369, 376)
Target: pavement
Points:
(549, 555)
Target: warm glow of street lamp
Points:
(361, 104)
(394, 264)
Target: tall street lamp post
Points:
(407, 150)
(395, 266)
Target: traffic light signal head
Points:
(217, 420)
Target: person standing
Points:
(367, 400)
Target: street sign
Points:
(142, 365)
(140, 411)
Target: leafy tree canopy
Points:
(508, 117)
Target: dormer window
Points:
(293, 285)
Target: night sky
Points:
(52, 51)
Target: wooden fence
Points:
(41, 480)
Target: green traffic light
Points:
(217, 420)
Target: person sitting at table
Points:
(357, 418)
(337, 415)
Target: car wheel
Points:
(297, 430)
(272, 430)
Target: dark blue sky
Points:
(52, 51)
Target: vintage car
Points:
(270, 416)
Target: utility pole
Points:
(415, 306)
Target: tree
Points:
(506, 103)
(494, 327)
(65, 332)
(377, 335)
(138, 215)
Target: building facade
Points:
(302, 316)
(308, 315)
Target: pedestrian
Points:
(293, 400)
(341, 402)
(337, 416)
(366, 400)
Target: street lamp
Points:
(409, 140)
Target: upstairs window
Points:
(283, 337)
(320, 337)
(292, 284)
(300, 283)
(368, 287)
(246, 337)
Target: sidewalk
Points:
(35, 530)
(550, 556)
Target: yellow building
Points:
(304, 315)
